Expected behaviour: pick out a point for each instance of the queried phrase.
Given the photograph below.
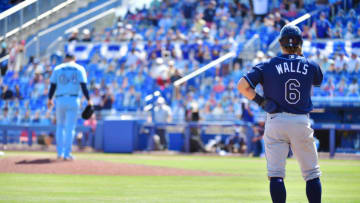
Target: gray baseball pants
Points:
(284, 130)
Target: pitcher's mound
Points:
(90, 167)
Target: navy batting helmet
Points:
(290, 36)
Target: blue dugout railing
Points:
(319, 126)
(34, 128)
(152, 126)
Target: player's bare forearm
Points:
(244, 88)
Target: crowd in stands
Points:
(172, 38)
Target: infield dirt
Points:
(24, 164)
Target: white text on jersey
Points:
(292, 67)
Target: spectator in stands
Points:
(218, 110)
(292, 12)
(340, 17)
(260, 8)
(307, 32)
(341, 88)
(160, 72)
(92, 123)
(353, 64)
(3, 50)
(15, 119)
(349, 32)
(20, 56)
(132, 57)
(219, 87)
(248, 116)
(279, 21)
(260, 57)
(188, 9)
(178, 110)
(96, 98)
(162, 114)
(322, 27)
(166, 22)
(107, 99)
(325, 63)
(139, 78)
(258, 141)
(340, 62)
(6, 93)
(332, 67)
(45, 138)
(193, 115)
(329, 87)
(209, 13)
(4, 117)
(357, 32)
(17, 93)
(36, 119)
(86, 35)
(130, 97)
(74, 36)
(354, 88)
(337, 31)
(26, 119)
(317, 57)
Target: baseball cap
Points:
(69, 55)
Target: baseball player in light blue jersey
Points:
(66, 81)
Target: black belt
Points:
(277, 111)
(287, 112)
(70, 95)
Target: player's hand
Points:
(269, 106)
(50, 104)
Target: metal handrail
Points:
(42, 16)
(16, 8)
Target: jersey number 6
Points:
(292, 94)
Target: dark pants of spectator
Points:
(249, 136)
(196, 144)
(258, 148)
(161, 132)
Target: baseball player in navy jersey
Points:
(287, 81)
(66, 81)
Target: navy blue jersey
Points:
(287, 80)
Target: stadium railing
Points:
(54, 33)
(5, 128)
(332, 128)
(185, 126)
(27, 13)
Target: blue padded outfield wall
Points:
(120, 136)
(124, 136)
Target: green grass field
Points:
(247, 182)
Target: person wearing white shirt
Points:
(162, 114)
(353, 63)
(340, 62)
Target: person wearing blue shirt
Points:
(323, 27)
(65, 83)
(185, 49)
